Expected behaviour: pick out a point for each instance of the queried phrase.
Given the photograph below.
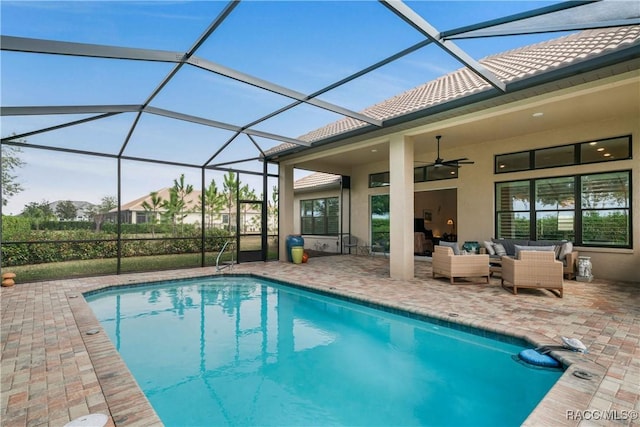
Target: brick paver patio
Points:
(54, 372)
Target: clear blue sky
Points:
(301, 45)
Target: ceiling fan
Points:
(439, 162)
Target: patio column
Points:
(401, 207)
(285, 209)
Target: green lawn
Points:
(99, 267)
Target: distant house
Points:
(83, 209)
(134, 212)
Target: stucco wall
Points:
(476, 188)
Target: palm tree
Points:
(177, 205)
(156, 203)
(173, 208)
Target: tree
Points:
(100, 212)
(66, 210)
(156, 203)
(177, 205)
(172, 208)
(246, 194)
(10, 162)
(38, 212)
(213, 202)
(272, 209)
(380, 205)
(230, 190)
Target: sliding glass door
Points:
(379, 215)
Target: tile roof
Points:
(193, 199)
(315, 180)
(510, 66)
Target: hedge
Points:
(38, 247)
(14, 226)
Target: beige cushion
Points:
(520, 248)
(500, 250)
(452, 245)
(489, 247)
(566, 249)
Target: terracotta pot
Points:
(8, 279)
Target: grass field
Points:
(100, 267)
(106, 266)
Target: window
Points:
(604, 150)
(143, 217)
(606, 209)
(513, 162)
(320, 216)
(554, 157)
(513, 212)
(379, 179)
(420, 174)
(433, 173)
(380, 222)
(441, 172)
(590, 210)
(555, 208)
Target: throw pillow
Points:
(567, 248)
(499, 249)
(509, 244)
(557, 249)
(489, 247)
(453, 246)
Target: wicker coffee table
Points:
(495, 266)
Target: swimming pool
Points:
(246, 351)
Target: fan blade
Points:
(422, 163)
(458, 162)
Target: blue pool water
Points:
(242, 351)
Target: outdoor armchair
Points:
(446, 264)
(534, 269)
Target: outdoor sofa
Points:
(563, 251)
